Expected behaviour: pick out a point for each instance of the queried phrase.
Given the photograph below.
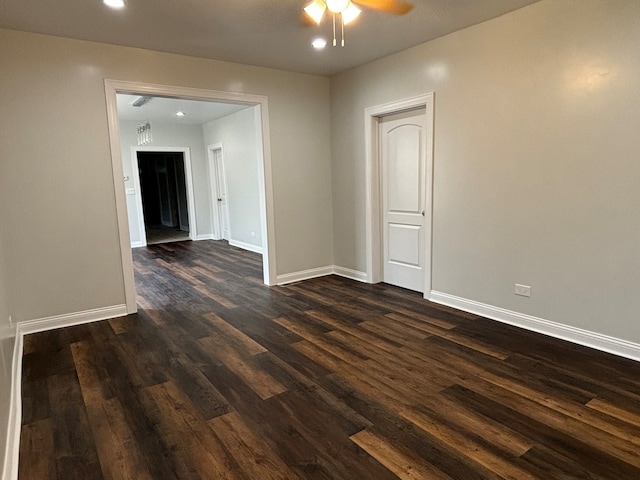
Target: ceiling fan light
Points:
(337, 6)
(350, 13)
(315, 10)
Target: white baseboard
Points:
(12, 449)
(605, 343)
(70, 319)
(348, 273)
(204, 236)
(246, 246)
(303, 275)
(138, 244)
(321, 272)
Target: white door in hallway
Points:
(219, 189)
(403, 174)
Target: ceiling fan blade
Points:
(396, 7)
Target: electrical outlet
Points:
(253, 234)
(523, 290)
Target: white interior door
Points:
(403, 175)
(220, 193)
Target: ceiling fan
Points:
(348, 10)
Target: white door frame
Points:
(188, 178)
(216, 222)
(265, 184)
(373, 202)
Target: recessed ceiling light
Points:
(114, 3)
(319, 43)
(180, 114)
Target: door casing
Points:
(373, 201)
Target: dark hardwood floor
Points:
(219, 377)
(160, 234)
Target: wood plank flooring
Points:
(220, 377)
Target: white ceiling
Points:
(163, 110)
(269, 33)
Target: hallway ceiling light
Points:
(180, 114)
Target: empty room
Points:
(320, 239)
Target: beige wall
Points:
(242, 155)
(537, 177)
(62, 246)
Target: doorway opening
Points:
(125, 193)
(163, 193)
(164, 211)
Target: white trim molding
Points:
(349, 273)
(246, 246)
(12, 448)
(304, 275)
(70, 319)
(205, 236)
(322, 272)
(605, 343)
